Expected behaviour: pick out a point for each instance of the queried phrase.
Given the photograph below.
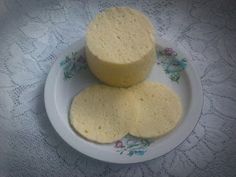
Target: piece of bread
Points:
(159, 110)
(101, 113)
(120, 46)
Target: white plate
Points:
(68, 76)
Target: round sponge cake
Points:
(159, 110)
(101, 113)
(120, 46)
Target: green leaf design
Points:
(132, 146)
(73, 64)
(172, 65)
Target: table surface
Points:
(32, 31)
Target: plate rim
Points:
(196, 108)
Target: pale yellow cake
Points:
(120, 46)
(101, 113)
(159, 110)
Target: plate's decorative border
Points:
(172, 65)
(73, 64)
(130, 146)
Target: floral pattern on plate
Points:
(130, 146)
(73, 64)
(172, 65)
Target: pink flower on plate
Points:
(170, 52)
(119, 144)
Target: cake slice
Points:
(159, 110)
(102, 114)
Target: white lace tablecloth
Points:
(32, 31)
